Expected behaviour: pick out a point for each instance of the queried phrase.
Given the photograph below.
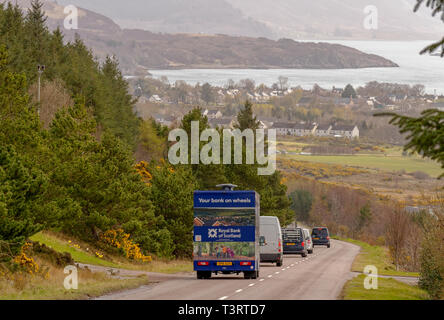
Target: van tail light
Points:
(279, 250)
(303, 244)
(203, 263)
(245, 263)
(328, 238)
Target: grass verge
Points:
(27, 287)
(80, 254)
(388, 289)
(377, 256)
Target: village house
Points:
(337, 90)
(213, 114)
(221, 123)
(294, 129)
(155, 99)
(344, 131)
(165, 120)
(323, 130)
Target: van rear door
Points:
(270, 233)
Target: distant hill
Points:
(296, 19)
(342, 19)
(177, 16)
(141, 50)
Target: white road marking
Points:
(251, 284)
(292, 264)
(261, 279)
(270, 276)
(239, 290)
(283, 269)
(277, 272)
(223, 298)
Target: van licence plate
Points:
(291, 244)
(315, 238)
(225, 263)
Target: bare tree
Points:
(283, 83)
(396, 233)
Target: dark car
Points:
(293, 240)
(320, 237)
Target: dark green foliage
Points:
(432, 255)
(97, 180)
(349, 92)
(246, 118)
(365, 217)
(21, 190)
(302, 202)
(30, 43)
(172, 196)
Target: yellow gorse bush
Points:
(142, 169)
(119, 239)
(26, 262)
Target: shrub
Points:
(420, 175)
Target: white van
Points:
(271, 240)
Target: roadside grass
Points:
(60, 243)
(388, 289)
(385, 163)
(90, 284)
(377, 256)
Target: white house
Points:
(345, 131)
(213, 114)
(155, 98)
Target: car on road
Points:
(308, 241)
(271, 240)
(294, 242)
(320, 236)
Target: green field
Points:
(386, 163)
(388, 289)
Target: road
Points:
(319, 276)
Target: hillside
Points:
(138, 49)
(342, 19)
(174, 16)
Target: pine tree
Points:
(246, 118)
(36, 31)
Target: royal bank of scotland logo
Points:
(212, 233)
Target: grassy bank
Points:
(388, 289)
(47, 283)
(85, 253)
(28, 287)
(377, 256)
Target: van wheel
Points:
(328, 246)
(304, 255)
(200, 275)
(279, 263)
(310, 251)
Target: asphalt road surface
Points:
(319, 276)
